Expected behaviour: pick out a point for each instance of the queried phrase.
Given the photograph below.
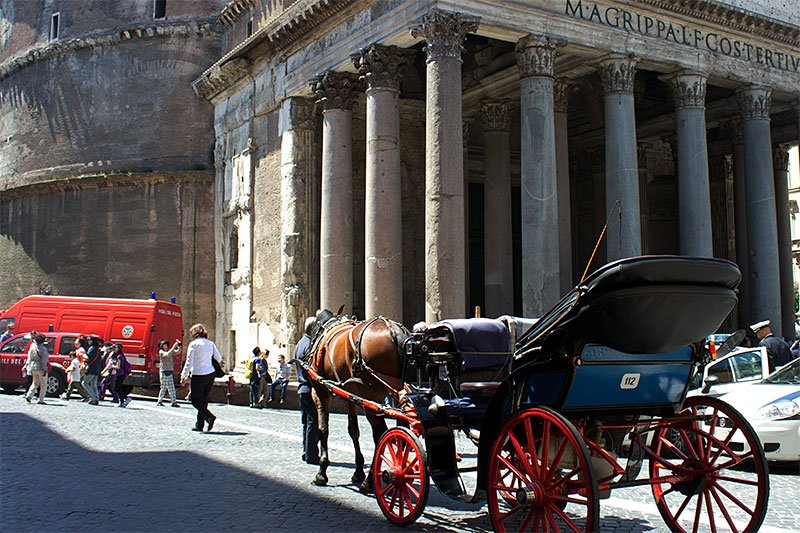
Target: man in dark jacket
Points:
(94, 363)
(778, 351)
(308, 410)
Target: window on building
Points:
(159, 9)
(55, 26)
(250, 27)
(233, 249)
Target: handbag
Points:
(218, 372)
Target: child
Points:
(74, 377)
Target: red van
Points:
(14, 351)
(137, 325)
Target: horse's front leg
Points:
(378, 425)
(322, 400)
(352, 429)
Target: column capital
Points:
(382, 66)
(688, 88)
(444, 31)
(336, 90)
(496, 115)
(755, 102)
(562, 88)
(780, 155)
(617, 73)
(536, 55)
(297, 113)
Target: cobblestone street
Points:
(67, 466)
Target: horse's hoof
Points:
(358, 477)
(365, 487)
(320, 481)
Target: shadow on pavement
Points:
(51, 483)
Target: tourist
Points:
(308, 411)
(74, 377)
(36, 366)
(167, 370)
(252, 373)
(123, 389)
(94, 365)
(9, 332)
(109, 374)
(199, 372)
(282, 379)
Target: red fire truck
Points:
(137, 325)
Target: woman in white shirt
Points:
(200, 370)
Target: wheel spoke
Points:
(733, 461)
(671, 446)
(714, 421)
(545, 445)
(552, 520)
(383, 489)
(723, 509)
(414, 492)
(566, 477)
(548, 474)
(567, 520)
(531, 445)
(733, 498)
(410, 468)
(521, 454)
(513, 511)
(724, 445)
(528, 519)
(567, 499)
(682, 507)
(512, 468)
(688, 442)
(710, 512)
(698, 511)
(738, 480)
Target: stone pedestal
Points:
(382, 67)
(561, 91)
(336, 92)
(694, 198)
(498, 246)
(445, 279)
(781, 161)
(541, 284)
(624, 234)
(762, 225)
(297, 169)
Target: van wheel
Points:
(9, 387)
(56, 383)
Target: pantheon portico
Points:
(414, 159)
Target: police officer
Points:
(778, 351)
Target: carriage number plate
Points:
(629, 381)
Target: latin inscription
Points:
(619, 18)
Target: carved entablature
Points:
(781, 158)
(206, 26)
(382, 66)
(755, 102)
(562, 88)
(536, 55)
(234, 9)
(617, 73)
(444, 32)
(497, 115)
(217, 79)
(336, 90)
(688, 88)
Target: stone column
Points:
(336, 93)
(740, 222)
(694, 197)
(781, 160)
(444, 174)
(624, 234)
(382, 68)
(498, 245)
(561, 91)
(465, 139)
(296, 128)
(541, 284)
(762, 224)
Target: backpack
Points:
(248, 369)
(124, 366)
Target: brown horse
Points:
(363, 358)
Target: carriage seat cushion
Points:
(483, 342)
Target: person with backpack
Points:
(251, 372)
(124, 371)
(109, 374)
(94, 365)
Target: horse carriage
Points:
(593, 392)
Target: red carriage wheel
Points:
(539, 476)
(689, 479)
(400, 476)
